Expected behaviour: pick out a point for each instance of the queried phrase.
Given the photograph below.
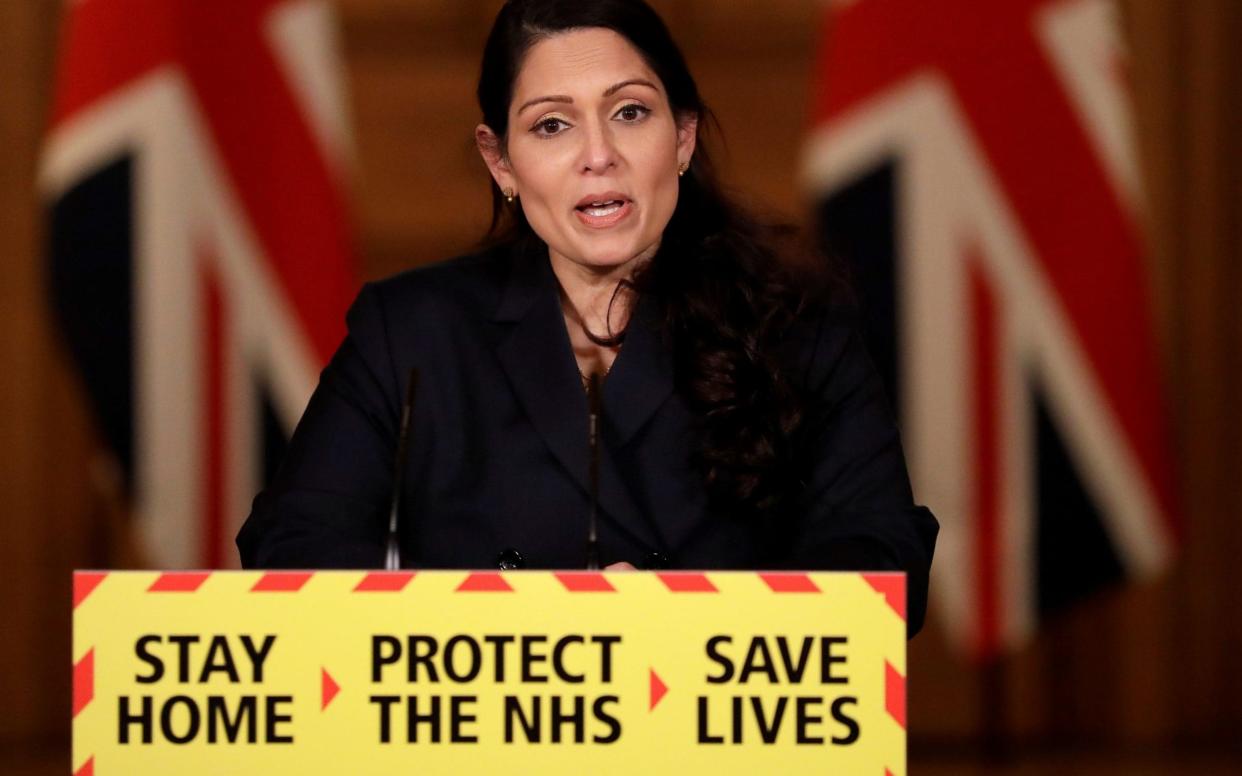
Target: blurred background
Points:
(1071, 168)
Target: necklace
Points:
(612, 341)
(586, 380)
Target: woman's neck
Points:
(590, 296)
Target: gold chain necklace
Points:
(586, 381)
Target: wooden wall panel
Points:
(45, 525)
(1210, 430)
(1146, 613)
(1188, 102)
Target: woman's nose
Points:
(600, 152)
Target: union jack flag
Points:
(201, 263)
(973, 161)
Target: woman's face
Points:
(593, 149)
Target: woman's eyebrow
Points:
(611, 90)
(549, 98)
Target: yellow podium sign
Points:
(438, 672)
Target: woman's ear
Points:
(493, 156)
(687, 134)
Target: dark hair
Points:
(725, 294)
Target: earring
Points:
(681, 168)
(508, 195)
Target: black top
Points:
(498, 457)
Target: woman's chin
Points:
(607, 261)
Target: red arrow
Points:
(329, 687)
(658, 688)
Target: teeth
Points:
(602, 210)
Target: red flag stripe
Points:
(94, 65)
(291, 229)
(986, 463)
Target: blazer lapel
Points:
(639, 384)
(641, 378)
(538, 359)
(637, 389)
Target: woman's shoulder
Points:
(470, 283)
(446, 304)
(824, 330)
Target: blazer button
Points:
(656, 560)
(509, 560)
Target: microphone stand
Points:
(392, 550)
(593, 401)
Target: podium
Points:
(459, 672)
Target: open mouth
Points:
(600, 211)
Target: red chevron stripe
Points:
(585, 582)
(484, 582)
(895, 694)
(685, 582)
(282, 582)
(892, 587)
(384, 582)
(84, 583)
(789, 583)
(179, 582)
(84, 681)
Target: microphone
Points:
(592, 547)
(392, 551)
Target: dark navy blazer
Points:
(498, 455)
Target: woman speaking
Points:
(738, 421)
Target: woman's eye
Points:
(633, 112)
(549, 127)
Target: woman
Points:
(742, 423)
